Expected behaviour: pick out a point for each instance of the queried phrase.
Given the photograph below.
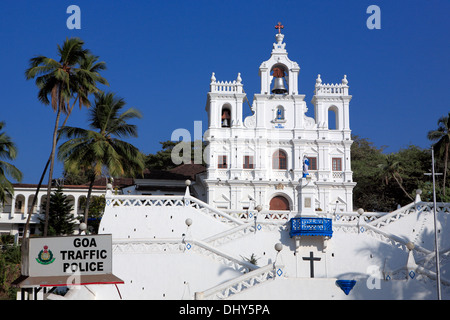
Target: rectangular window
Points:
(222, 162)
(336, 164)
(312, 163)
(248, 162)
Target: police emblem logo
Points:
(45, 256)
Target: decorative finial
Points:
(279, 26)
(239, 79)
(345, 81)
(213, 78)
(318, 80)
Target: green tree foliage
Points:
(101, 149)
(79, 178)
(162, 160)
(442, 137)
(61, 220)
(391, 169)
(368, 192)
(8, 152)
(9, 269)
(387, 180)
(415, 162)
(96, 210)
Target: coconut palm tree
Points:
(75, 75)
(391, 169)
(101, 149)
(442, 137)
(8, 151)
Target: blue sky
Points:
(160, 55)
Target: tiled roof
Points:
(182, 172)
(190, 170)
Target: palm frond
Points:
(7, 169)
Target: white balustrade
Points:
(338, 174)
(331, 89)
(180, 246)
(226, 86)
(237, 285)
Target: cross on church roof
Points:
(279, 26)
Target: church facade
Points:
(279, 158)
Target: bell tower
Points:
(279, 74)
(224, 104)
(262, 159)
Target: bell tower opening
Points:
(333, 120)
(279, 73)
(226, 116)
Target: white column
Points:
(13, 207)
(25, 207)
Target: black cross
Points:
(311, 262)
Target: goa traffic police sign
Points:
(59, 256)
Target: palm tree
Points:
(74, 76)
(442, 138)
(391, 169)
(8, 151)
(97, 149)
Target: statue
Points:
(305, 166)
(280, 114)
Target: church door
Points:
(279, 203)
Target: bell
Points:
(278, 86)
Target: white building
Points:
(14, 212)
(261, 158)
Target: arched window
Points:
(226, 117)
(279, 160)
(30, 202)
(279, 203)
(20, 204)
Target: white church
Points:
(271, 217)
(261, 159)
